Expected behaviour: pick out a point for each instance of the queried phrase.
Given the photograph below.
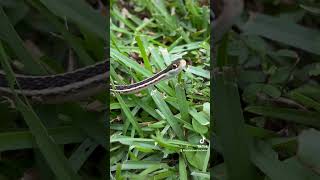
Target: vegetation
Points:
(63, 141)
(153, 132)
(266, 99)
(266, 103)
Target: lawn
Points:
(161, 132)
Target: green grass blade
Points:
(15, 42)
(293, 115)
(284, 31)
(129, 115)
(182, 103)
(165, 110)
(24, 140)
(143, 53)
(78, 158)
(182, 168)
(79, 13)
(230, 129)
(51, 152)
(84, 57)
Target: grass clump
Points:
(152, 131)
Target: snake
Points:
(79, 84)
(173, 69)
(91, 80)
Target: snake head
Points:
(176, 66)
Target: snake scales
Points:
(93, 79)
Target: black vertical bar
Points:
(212, 59)
(107, 56)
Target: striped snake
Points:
(173, 69)
(78, 84)
(90, 80)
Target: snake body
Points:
(78, 84)
(93, 79)
(52, 89)
(173, 69)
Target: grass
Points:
(50, 141)
(150, 130)
(267, 111)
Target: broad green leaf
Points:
(266, 159)
(80, 13)
(283, 31)
(308, 149)
(291, 115)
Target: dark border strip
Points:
(212, 59)
(107, 123)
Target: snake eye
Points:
(175, 65)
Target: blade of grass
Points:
(199, 72)
(24, 140)
(82, 153)
(182, 168)
(126, 110)
(84, 57)
(293, 115)
(143, 54)
(182, 103)
(15, 42)
(51, 152)
(165, 110)
(229, 122)
(129, 115)
(305, 100)
(86, 121)
(283, 31)
(264, 157)
(80, 13)
(138, 165)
